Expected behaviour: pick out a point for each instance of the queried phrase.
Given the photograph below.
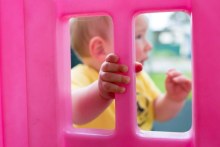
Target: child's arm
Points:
(178, 88)
(87, 103)
(92, 100)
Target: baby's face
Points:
(142, 45)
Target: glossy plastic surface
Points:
(35, 103)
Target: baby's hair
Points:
(83, 29)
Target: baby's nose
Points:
(148, 46)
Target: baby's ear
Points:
(97, 48)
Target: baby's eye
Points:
(138, 36)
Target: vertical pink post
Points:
(206, 55)
(1, 126)
(13, 74)
(1, 112)
(123, 31)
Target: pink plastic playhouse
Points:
(35, 103)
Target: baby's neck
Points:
(92, 63)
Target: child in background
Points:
(95, 82)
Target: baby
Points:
(98, 78)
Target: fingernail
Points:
(125, 69)
(122, 90)
(127, 80)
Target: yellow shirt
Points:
(83, 75)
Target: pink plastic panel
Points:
(35, 74)
(1, 126)
(206, 31)
(125, 134)
(13, 74)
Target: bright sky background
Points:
(158, 21)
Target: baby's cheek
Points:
(138, 53)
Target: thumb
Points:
(138, 67)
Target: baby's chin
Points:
(142, 62)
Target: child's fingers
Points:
(185, 83)
(181, 79)
(173, 73)
(113, 67)
(112, 58)
(108, 95)
(114, 78)
(111, 88)
(187, 86)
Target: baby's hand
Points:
(111, 77)
(177, 85)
